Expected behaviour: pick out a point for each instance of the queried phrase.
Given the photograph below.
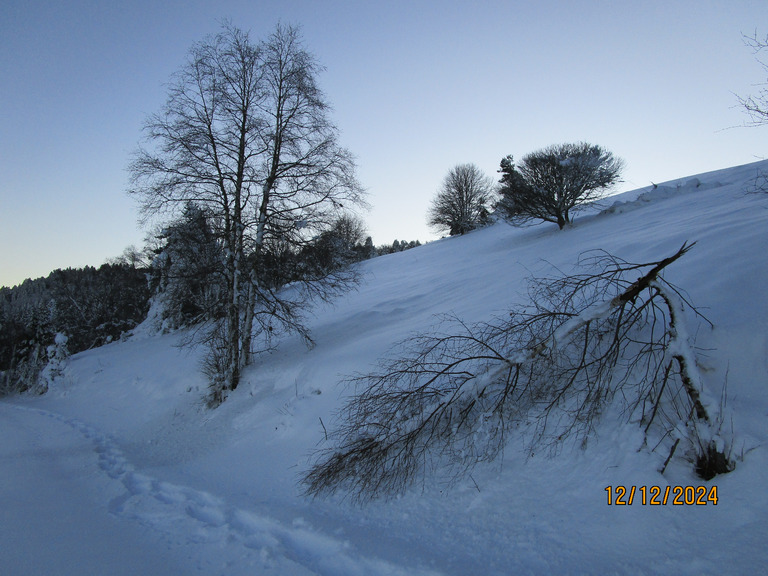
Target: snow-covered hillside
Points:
(120, 469)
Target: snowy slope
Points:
(120, 470)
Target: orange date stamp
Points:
(662, 495)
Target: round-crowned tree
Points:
(463, 201)
(553, 183)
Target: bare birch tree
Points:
(245, 134)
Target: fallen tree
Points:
(450, 400)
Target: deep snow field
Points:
(120, 469)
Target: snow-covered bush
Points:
(57, 354)
(187, 271)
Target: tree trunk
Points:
(247, 355)
(233, 328)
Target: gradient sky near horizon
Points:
(417, 87)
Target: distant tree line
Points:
(68, 311)
(396, 246)
(179, 270)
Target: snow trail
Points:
(250, 539)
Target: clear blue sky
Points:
(417, 88)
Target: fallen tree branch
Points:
(450, 400)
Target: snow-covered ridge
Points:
(739, 175)
(123, 447)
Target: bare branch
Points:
(756, 106)
(448, 401)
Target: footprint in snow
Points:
(170, 508)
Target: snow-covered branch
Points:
(450, 400)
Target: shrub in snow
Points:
(23, 375)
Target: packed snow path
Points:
(215, 537)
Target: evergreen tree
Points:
(187, 269)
